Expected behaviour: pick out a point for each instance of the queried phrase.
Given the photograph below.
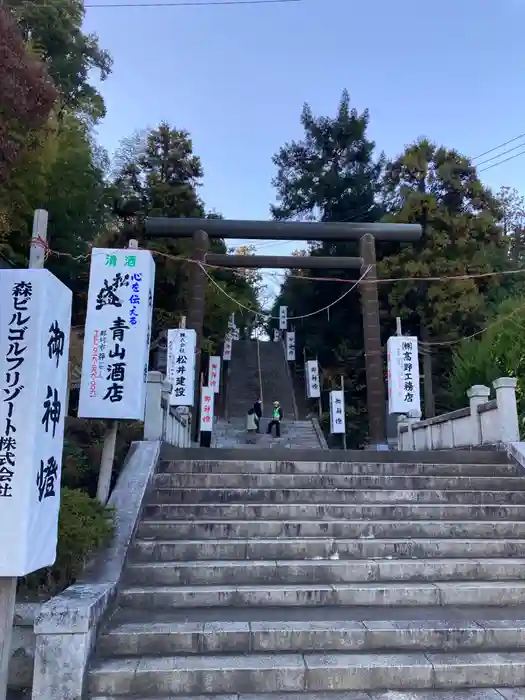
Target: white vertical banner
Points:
(182, 345)
(403, 375)
(207, 402)
(117, 334)
(337, 411)
(290, 346)
(214, 373)
(231, 322)
(227, 348)
(35, 323)
(276, 335)
(236, 334)
(313, 385)
(283, 318)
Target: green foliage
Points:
(55, 30)
(84, 526)
(159, 171)
(499, 352)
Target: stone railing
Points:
(483, 422)
(171, 424)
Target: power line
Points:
(496, 148)
(500, 162)
(503, 153)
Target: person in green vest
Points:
(277, 416)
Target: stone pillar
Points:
(375, 388)
(196, 306)
(507, 409)
(477, 395)
(153, 415)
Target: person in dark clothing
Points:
(277, 416)
(257, 409)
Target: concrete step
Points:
(169, 638)
(327, 511)
(219, 573)
(454, 694)
(364, 529)
(276, 673)
(338, 481)
(334, 495)
(449, 593)
(355, 468)
(323, 548)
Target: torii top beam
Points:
(156, 227)
(287, 262)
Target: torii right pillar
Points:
(375, 387)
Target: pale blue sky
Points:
(236, 78)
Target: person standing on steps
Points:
(277, 416)
(257, 409)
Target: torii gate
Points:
(200, 229)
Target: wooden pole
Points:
(37, 256)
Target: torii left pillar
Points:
(195, 320)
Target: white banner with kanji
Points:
(117, 334)
(227, 349)
(35, 323)
(337, 411)
(182, 344)
(313, 385)
(403, 375)
(283, 318)
(214, 373)
(207, 401)
(290, 346)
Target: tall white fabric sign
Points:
(313, 385)
(35, 322)
(214, 374)
(403, 375)
(207, 402)
(283, 318)
(182, 345)
(276, 335)
(117, 334)
(337, 411)
(290, 346)
(227, 348)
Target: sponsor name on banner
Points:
(117, 334)
(227, 348)
(207, 401)
(313, 385)
(403, 375)
(283, 318)
(337, 411)
(290, 346)
(182, 344)
(214, 374)
(35, 323)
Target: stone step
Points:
(355, 468)
(327, 495)
(326, 511)
(287, 572)
(175, 637)
(338, 481)
(454, 694)
(170, 452)
(449, 593)
(363, 529)
(323, 548)
(276, 673)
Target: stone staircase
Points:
(386, 576)
(243, 379)
(232, 434)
